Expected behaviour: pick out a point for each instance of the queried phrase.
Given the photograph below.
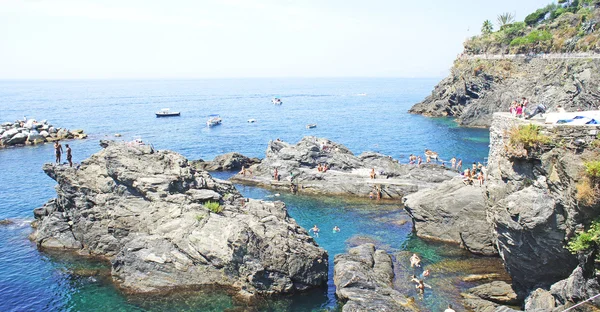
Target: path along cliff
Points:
(165, 225)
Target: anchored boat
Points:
(276, 101)
(165, 112)
(214, 120)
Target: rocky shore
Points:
(348, 175)
(31, 132)
(527, 212)
(164, 225)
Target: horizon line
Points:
(222, 78)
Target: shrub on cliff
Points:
(586, 240)
(525, 140)
(588, 189)
(213, 206)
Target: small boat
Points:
(252, 120)
(165, 112)
(214, 120)
(361, 94)
(310, 126)
(276, 101)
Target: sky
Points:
(132, 39)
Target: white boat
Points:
(276, 101)
(213, 120)
(251, 120)
(165, 112)
(310, 126)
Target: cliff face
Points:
(478, 87)
(532, 202)
(158, 221)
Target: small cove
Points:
(34, 280)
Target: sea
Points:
(364, 114)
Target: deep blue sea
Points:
(363, 114)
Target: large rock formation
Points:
(165, 225)
(33, 132)
(347, 175)
(453, 212)
(363, 278)
(477, 88)
(225, 162)
(532, 202)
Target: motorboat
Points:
(252, 120)
(165, 112)
(310, 126)
(214, 120)
(276, 101)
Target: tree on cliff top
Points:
(487, 27)
(505, 19)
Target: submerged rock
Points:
(165, 225)
(363, 278)
(453, 212)
(297, 169)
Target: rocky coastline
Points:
(527, 212)
(165, 225)
(346, 174)
(31, 132)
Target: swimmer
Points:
(414, 279)
(421, 287)
(415, 261)
(336, 229)
(425, 273)
(315, 230)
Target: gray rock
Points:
(8, 134)
(348, 175)
(144, 210)
(18, 138)
(472, 96)
(539, 301)
(453, 212)
(363, 279)
(498, 292)
(226, 162)
(34, 136)
(44, 133)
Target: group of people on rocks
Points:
(519, 109)
(477, 171)
(58, 150)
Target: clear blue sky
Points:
(74, 39)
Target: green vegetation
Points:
(505, 19)
(213, 206)
(588, 189)
(587, 240)
(570, 26)
(199, 218)
(528, 136)
(592, 170)
(487, 27)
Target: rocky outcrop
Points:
(165, 225)
(33, 132)
(453, 212)
(490, 297)
(297, 167)
(477, 88)
(532, 204)
(225, 162)
(363, 278)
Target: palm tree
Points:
(487, 27)
(505, 18)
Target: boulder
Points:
(147, 211)
(62, 134)
(44, 133)
(226, 162)
(19, 138)
(35, 136)
(498, 292)
(8, 134)
(540, 300)
(453, 212)
(363, 280)
(348, 175)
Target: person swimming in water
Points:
(315, 230)
(415, 261)
(336, 229)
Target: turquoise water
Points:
(31, 280)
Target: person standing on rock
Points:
(276, 175)
(449, 309)
(69, 155)
(453, 162)
(459, 165)
(372, 173)
(420, 161)
(58, 151)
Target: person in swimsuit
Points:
(415, 261)
(58, 151)
(336, 229)
(315, 230)
(69, 155)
